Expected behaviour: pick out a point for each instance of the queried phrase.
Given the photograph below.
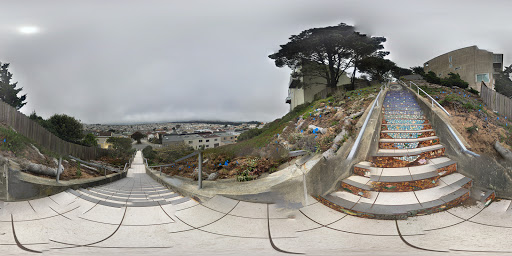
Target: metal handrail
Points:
(461, 145)
(418, 91)
(363, 128)
(183, 158)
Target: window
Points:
(207, 146)
(189, 142)
(451, 65)
(231, 137)
(207, 140)
(450, 59)
(482, 78)
(200, 140)
(426, 64)
(215, 139)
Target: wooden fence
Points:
(23, 125)
(496, 101)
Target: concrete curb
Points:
(23, 186)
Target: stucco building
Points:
(474, 65)
(305, 87)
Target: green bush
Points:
(454, 79)
(250, 134)
(12, 141)
(432, 78)
(471, 90)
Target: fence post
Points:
(200, 173)
(59, 169)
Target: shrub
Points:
(250, 134)
(472, 129)
(471, 90)
(12, 141)
(432, 78)
(454, 79)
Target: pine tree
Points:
(8, 91)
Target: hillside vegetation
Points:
(316, 127)
(477, 123)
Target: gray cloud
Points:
(141, 61)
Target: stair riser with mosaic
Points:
(410, 145)
(406, 135)
(405, 186)
(406, 161)
(405, 127)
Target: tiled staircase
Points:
(409, 174)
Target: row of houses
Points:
(201, 140)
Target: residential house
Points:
(474, 65)
(305, 87)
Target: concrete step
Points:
(408, 143)
(400, 205)
(405, 127)
(408, 152)
(404, 121)
(406, 140)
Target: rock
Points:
(37, 150)
(213, 176)
(55, 161)
(300, 123)
(320, 129)
(504, 152)
(195, 174)
(339, 114)
(340, 136)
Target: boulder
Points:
(320, 129)
(195, 174)
(213, 176)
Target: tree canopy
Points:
(121, 145)
(376, 67)
(137, 136)
(66, 127)
(334, 49)
(90, 140)
(503, 82)
(8, 90)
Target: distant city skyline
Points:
(155, 61)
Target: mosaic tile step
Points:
(406, 161)
(404, 121)
(435, 167)
(408, 143)
(406, 117)
(405, 140)
(402, 108)
(405, 127)
(392, 205)
(407, 134)
(408, 152)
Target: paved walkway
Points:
(128, 221)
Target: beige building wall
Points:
(471, 63)
(311, 85)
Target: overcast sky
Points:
(146, 61)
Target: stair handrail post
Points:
(200, 170)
